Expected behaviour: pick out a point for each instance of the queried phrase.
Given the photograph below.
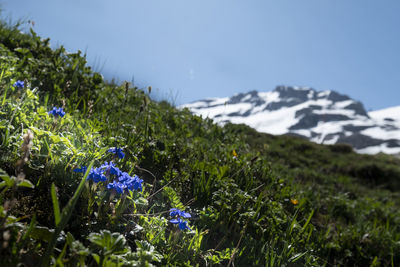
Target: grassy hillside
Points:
(253, 199)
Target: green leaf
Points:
(139, 200)
(31, 95)
(70, 238)
(2, 211)
(26, 183)
(22, 50)
(41, 233)
(110, 243)
(55, 138)
(2, 184)
(56, 205)
(96, 257)
(9, 181)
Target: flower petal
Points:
(175, 221)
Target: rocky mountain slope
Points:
(325, 117)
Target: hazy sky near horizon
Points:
(189, 50)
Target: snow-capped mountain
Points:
(325, 117)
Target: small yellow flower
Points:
(294, 201)
(234, 153)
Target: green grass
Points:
(255, 199)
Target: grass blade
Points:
(66, 214)
(308, 221)
(56, 206)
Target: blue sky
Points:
(189, 50)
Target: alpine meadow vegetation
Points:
(95, 173)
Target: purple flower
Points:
(117, 151)
(19, 84)
(57, 112)
(182, 224)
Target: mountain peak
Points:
(284, 88)
(322, 116)
(293, 92)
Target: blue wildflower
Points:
(119, 187)
(124, 177)
(97, 175)
(82, 169)
(137, 183)
(125, 181)
(132, 183)
(117, 151)
(178, 213)
(182, 224)
(57, 112)
(19, 84)
(111, 168)
(174, 212)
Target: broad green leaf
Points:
(111, 243)
(96, 258)
(41, 233)
(26, 183)
(22, 50)
(9, 181)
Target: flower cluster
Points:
(119, 181)
(126, 182)
(19, 84)
(95, 174)
(57, 112)
(117, 151)
(178, 215)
